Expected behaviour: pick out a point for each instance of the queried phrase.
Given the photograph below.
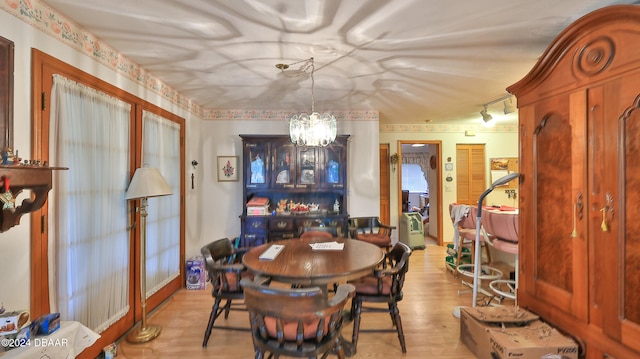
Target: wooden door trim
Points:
(385, 217)
(438, 185)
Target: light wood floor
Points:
(431, 331)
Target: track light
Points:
(509, 106)
(486, 117)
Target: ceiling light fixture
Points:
(507, 100)
(486, 117)
(313, 129)
(509, 105)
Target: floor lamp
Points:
(146, 182)
(477, 258)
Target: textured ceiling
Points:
(411, 60)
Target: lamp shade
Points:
(147, 182)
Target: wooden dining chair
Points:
(298, 322)
(383, 286)
(323, 232)
(224, 269)
(372, 230)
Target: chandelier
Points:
(313, 129)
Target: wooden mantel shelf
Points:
(37, 179)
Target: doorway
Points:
(385, 200)
(419, 184)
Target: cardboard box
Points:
(195, 273)
(46, 324)
(19, 339)
(503, 332)
(12, 322)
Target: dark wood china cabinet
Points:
(305, 187)
(579, 110)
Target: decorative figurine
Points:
(336, 206)
(6, 197)
(333, 172)
(7, 156)
(257, 170)
(8, 201)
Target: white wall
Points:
(498, 143)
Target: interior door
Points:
(470, 169)
(385, 208)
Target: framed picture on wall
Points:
(227, 168)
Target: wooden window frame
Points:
(43, 67)
(6, 92)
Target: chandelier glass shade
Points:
(312, 130)
(315, 129)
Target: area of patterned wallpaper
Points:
(446, 128)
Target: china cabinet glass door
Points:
(257, 165)
(284, 165)
(334, 167)
(307, 172)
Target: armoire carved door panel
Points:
(617, 235)
(630, 256)
(556, 270)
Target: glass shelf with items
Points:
(298, 203)
(300, 184)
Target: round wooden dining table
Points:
(298, 263)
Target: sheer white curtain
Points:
(89, 243)
(161, 149)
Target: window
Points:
(413, 179)
(163, 149)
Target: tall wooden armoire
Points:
(579, 111)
